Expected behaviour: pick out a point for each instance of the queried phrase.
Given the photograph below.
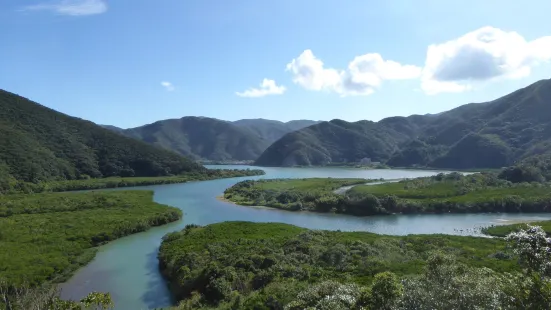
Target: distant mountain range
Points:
(204, 138)
(40, 144)
(477, 135)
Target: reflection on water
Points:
(128, 267)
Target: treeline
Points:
(44, 237)
(443, 193)
(12, 186)
(279, 266)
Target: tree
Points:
(385, 292)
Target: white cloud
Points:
(267, 87)
(365, 73)
(168, 86)
(483, 55)
(71, 7)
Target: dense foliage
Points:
(443, 193)
(213, 139)
(114, 182)
(44, 237)
(46, 297)
(317, 194)
(504, 230)
(241, 265)
(482, 135)
(532, 169)
(40, 144)
(338, 141)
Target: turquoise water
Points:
(128, 267)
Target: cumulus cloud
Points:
(267, 87)
(71, 7)
(168, 86)
(364, 74)
(485, 54)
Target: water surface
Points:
(128, 267)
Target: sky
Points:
(132, 62)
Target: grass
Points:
(312, 184)
(400, 189)
(44, 237)
(221, 261)
(449, 191)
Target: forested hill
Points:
(202, 137)
(272, 130)
(214, 139)
(38, 143)
(477, 135)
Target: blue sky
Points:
(132, 62)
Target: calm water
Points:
(128, 267)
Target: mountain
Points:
(476, 135)
(271, 130)
(340, 141)
(202, 137)
(38, 143)
(214, 139)
(113, 128)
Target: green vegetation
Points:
(47, 297)
(114, 182)
(532, 169)
(443, 193)
(314, 194)
(39, 144)
(242, 265)
(213, 139)
(494, 134)
(44, 237)
(504, 230)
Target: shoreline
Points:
(500, 222)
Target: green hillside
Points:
(214, 139)
(271, 130)
(38, 143)
(202, 137)
(340, 141)
(477, 135)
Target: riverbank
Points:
(504, 230)
(46, 237)
(443, 193)
(116, 182)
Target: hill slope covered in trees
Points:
(39, 144)
(478, 135)
(214, 139)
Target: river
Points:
(128, 268)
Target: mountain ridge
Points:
(38, 143)
(489, 134)
(205, 138)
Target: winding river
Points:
(128, 267)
